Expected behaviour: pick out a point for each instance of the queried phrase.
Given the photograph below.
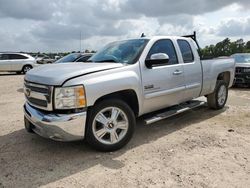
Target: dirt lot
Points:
(200, 148)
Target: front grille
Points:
(37, 89)
(38, 102)
(246, 70)
(239, 70)
(38, 95)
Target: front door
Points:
(163, 85)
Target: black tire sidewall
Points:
(27, 125)
(220, 83)
(24, 68)
(89, 135)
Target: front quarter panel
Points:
(106, 82)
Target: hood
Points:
(56, 74)
(242, 65)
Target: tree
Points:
(225, 48)
(248, 45)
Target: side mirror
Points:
(157, 60)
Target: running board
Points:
(174, 111)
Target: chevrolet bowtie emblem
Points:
(27, 92)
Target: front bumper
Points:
(60, 127)
(242, 79)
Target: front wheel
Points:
(110, 125)
(26, 68)
(218, 98)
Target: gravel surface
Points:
(199, 148)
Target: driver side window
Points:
(164, 46)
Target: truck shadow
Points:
(20, 90)
(31, 161)
(9, 74)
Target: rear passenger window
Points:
(83, 59)
(186, 51)
(164, 46)
(4, 57)
(17, 56)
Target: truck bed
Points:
(212, 68)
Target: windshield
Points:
(125, 52)
(68, 58)
(242, 58)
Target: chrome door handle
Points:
(177, 72)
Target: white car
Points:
(16, 62)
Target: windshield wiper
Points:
(107, 60)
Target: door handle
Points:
(177, 72)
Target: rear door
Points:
(192, 70)
(5, 64)
(17, 61)
(163, 85)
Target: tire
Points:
(121, 136)
(218, 98)
(26, 68)
(28, 126)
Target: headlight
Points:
(70, 97)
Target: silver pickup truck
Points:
(100, 100)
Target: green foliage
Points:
(226, 48)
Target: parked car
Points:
(242, 70)
(75, 57)
(45, 60)
(16, 62)
(101, 99)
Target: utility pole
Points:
(80, 40)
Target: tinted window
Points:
(83, 58)
(164, 46)
(4, 56)
(186, 51)
(17, 56)
(69, 58)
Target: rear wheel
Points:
(110, 125)
(218, 98)
(26, 68)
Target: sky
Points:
(56, 25)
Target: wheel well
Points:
(225, 76)
(128, 96)
(27, 65)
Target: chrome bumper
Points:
(60, 127)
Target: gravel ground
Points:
(199, 148)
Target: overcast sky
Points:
(55, 25)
